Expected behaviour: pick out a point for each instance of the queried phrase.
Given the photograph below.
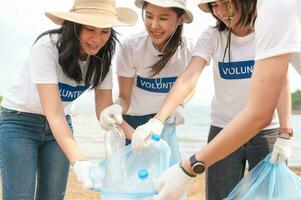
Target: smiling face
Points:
(223, 9)
(93, 39)
(160, 23)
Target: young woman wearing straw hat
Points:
(36, 140)
(231, 46)
(147, 65)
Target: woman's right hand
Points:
(110, 117)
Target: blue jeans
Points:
(33, 166)
(223, 176)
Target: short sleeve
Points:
(206, 45)
(124, 60)
(43, 64)
(277, 28)
(107, 83)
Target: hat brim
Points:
(203, 5)
(124, 17)
(188, 16)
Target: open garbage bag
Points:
(136, 173)
(268, 181)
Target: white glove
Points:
(177, 117)
(81, 169)
(110, 117)
(172, 184)
(141, 135)
(281, 150)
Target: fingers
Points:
(118, 118)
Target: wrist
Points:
(186, 168)
(286, 132)
(158, 120)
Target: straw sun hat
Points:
(96, 13)
(203, 5)
(167, 4)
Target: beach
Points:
(75, 191)
(196, 190)
(192, 137)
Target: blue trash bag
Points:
(128, 186)
(268, 181)
(169, 135)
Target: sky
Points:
(22, 21)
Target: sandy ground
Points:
(76, 192)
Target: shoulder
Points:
(46, 44)
(211, 33)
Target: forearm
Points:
(284, 107)
(103, 99)
(182, 88)
(64, 137)
(257, 114)
(127, 129)
(188, 97)
(241, 129)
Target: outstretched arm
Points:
(54, 112)
(183, 88)
(124, 100)
(103, 99)
(267, 82)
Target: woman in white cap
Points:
(147, 65)
(36, 140)
(231, 46)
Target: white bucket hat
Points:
(203, 5)
(188, 17)
(96, 13)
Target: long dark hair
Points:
(172, 45)
(247, 18)
(248, 14)
(68, 45)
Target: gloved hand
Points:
(81, 169)
(172, 184)
(110, 117)
(141, 135)
(177, 117)
(281, 150)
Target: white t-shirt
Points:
(42, 67)
(134, 59)
(231, 80)
(278, 30)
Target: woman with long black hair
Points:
(36, 140)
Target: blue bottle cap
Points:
(155, 137)
(142, 174)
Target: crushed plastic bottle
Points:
(121, 185)
(114, 144)
(153, 157)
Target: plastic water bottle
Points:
(114, 145)
(158, 153)
(142, 182)
(114, 141)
